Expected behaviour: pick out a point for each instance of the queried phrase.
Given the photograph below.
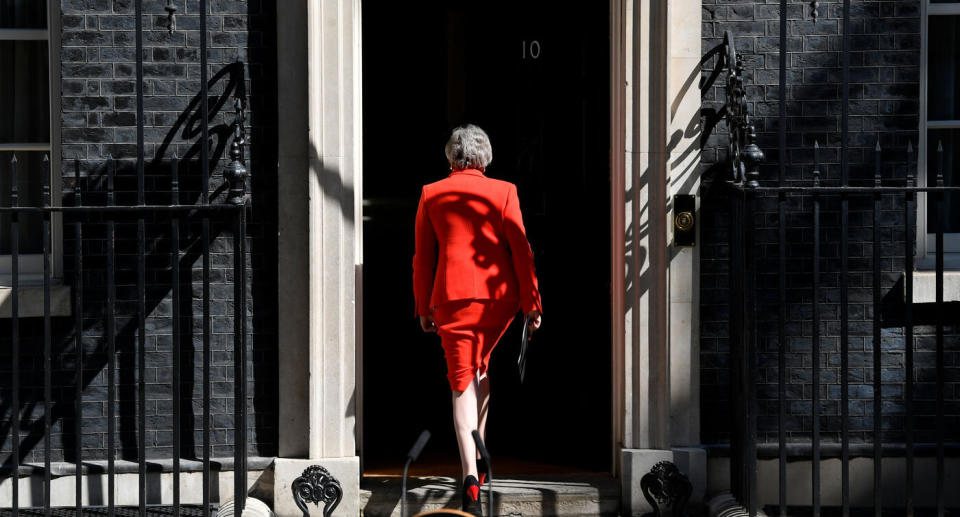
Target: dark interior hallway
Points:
(536, 78)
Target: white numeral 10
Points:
(530, 50)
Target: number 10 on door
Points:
(531, 49)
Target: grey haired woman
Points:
(472, 271)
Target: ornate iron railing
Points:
(104, 219)
(747, 191)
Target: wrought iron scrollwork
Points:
(317, 485)
(666, 486)
(742, 151)
(236, 171)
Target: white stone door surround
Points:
(655, 136)
(318, 185)
(655, 58)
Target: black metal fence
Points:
(747, 191)
(106, 218)
(744, 331)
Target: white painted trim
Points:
(56, 176)
(317, 239)
(951, 262)
(24, 34)
(617, 226)
(25, 147)
(28, 264)
(951, 244)
(684, 69)
(31, 300)
(921, 245)
(333, 140)
(925, 287)
(51, 35)
(657, 430)
(942, 9)
(926, 248)
(358, 223)
(951, 256)
(645, 407)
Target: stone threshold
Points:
(561, 494)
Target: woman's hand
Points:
(534, 317)
(427, 324)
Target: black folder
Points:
(522, 360)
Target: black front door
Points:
(535, 77)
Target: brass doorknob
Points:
(683, 221)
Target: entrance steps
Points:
(556, 494)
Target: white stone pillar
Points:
(318, 243)
(683, 147)
(683, 178)
(645, 357)
(656, 377)
(644, 362)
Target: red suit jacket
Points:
(483, 249)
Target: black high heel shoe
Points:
(470, 495)
(481, 470)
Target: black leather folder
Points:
(522, 360)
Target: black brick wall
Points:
(98, 123)
(884, 88)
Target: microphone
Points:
(411, 457)
(418, 446)
(486, 458)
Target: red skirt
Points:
(469, 330)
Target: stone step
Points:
(565, 495)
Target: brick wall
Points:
(884, 88)
(99, 123)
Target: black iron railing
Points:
(807, 199)
(109, 216)
(744, 329)
(104, 218)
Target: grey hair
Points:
(469, 147)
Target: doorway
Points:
(536, 78)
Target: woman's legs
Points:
(483, 404)
(502, 313)
(459, 325)
(465, 405)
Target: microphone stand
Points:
(411, 457)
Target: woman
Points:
(470, 227)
